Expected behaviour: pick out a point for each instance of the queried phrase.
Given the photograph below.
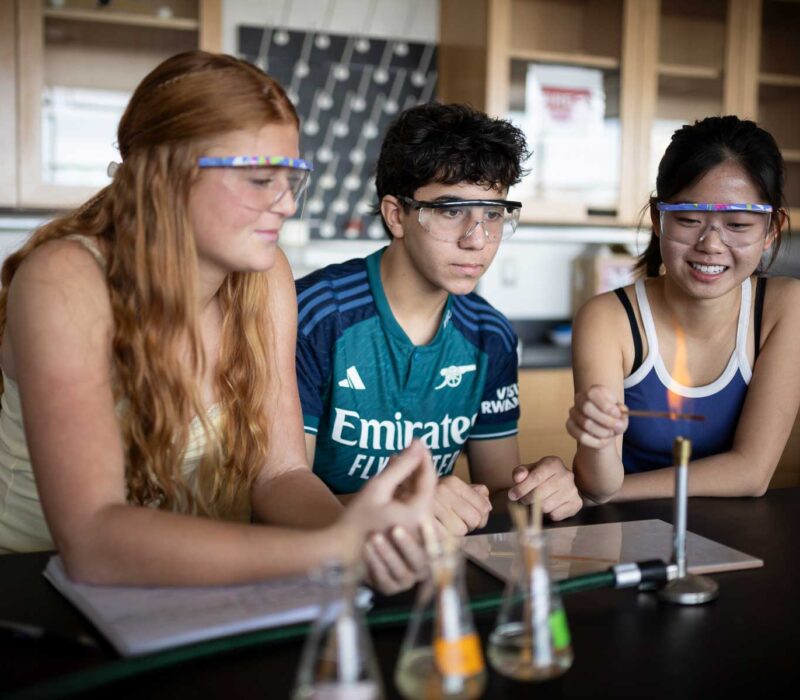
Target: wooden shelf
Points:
(630, 235)
(677, 70)
(533, 219)
(567, 59)
(779, 79)
(664, 63)
(126, 18)
(541, 210)
(791, 155)
(78, 45)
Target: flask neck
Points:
(532, 556)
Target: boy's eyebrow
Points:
(446, 198)
(454, 198)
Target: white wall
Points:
(14, 231)
(531, 280)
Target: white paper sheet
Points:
(138, 620)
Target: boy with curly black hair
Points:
(397, 345)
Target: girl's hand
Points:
(395, 561)
(381, 523)
(402, 494)
(596, 419)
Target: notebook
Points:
(584, 549)
(138, 620)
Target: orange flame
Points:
(680, 371)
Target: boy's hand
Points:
(554, 483)
(461, 507)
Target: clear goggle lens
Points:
(455, 220)
(738, 225)
(261, 182)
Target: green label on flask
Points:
(559, 629)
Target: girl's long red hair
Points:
(141, 224)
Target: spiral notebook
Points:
(138, 619)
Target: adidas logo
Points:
(352, 380)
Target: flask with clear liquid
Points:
(441, 653)
(531, 641)
(338, 661)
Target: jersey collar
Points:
(388, 320)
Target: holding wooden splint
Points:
(728, 335)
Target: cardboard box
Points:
(598, 271)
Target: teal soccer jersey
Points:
(367, 391)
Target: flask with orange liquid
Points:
(441, 654)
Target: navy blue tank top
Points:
(647, 443)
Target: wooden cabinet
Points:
(556, 67)
(8, 112)
(545, 397)
(657, 64)
(788, 471)
(689, 70)
(778, 107)
(75, 64)
(725, 57)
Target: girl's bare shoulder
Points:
(60, 277)
(781, 306)
(782, 298)
(61, 262)
(604, 311)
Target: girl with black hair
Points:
(700, 332)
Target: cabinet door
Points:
(690, 70)
(564, 90)
(78, 63)
(787, 473)
(8, 114)
(555, 67)
(779, 87)
(545, 397)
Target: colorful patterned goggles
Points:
(453, 220)
(738, 225)
(260, 182)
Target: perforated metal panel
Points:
(347, 90)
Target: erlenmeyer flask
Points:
(531, 640)
(441, 653)
(338, 662)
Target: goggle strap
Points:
(254, 162)
(508, 205)
(704, 206)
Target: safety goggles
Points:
(260, 182)
(453, 220)
(738, 225)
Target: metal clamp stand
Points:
(686, 589)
